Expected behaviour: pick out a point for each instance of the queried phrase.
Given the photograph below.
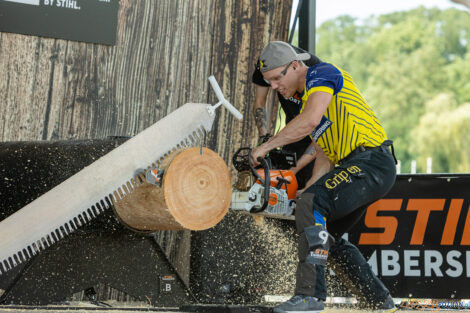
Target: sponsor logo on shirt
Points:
(295, 100)
(325, 123)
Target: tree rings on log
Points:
(195, 194)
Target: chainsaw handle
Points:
(266, 182)
(255, 173)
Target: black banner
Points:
(82, 20)
(417, 238)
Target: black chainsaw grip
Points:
(266, 183)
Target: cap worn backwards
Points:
(279, 53)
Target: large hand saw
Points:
(86, 194)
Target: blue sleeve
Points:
(324, 77)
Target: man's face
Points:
(283, 79)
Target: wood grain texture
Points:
(165, 51)
(197, 188)
(195, 194)
(248, 27)
(58, 89)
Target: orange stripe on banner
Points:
(388, 223)
(424, 208)
(452, 220)
(466, 231)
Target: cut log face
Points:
(195, 194)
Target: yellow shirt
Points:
(349, 121)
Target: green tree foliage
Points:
(403, 62)
(443, 133)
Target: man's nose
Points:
(274, 85)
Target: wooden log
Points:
(195, 194)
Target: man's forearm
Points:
(322, 166)
(294, 131)
(261, 120)
(259, 110)
(298, 128)
(307, 157)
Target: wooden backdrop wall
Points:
(54, 89)
(58, 89)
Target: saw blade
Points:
(89, 192)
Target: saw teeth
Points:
(43, 243)
(59, 233)
(11, 263)
(67, 228)
(134, 183)
(35, 247)
(73, 222)
(82, 218)
(49, 240)
(31, 251)
(95, 210)
(24, 255)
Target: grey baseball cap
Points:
(279, 53)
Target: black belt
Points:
(384, 147)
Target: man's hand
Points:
(299, 192)
(259, 152)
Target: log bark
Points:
(195, 194)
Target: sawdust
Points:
(243, 259)
(279, 256)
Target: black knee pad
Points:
(319, 242)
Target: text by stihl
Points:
(68, 4)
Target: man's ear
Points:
(295, 65)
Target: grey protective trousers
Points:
(342, 196)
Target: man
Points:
(291, 107)
(345, 132)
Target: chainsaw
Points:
(95, 188)
(267, 190)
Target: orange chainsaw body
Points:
(291, 187)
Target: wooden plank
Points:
(249, 26)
